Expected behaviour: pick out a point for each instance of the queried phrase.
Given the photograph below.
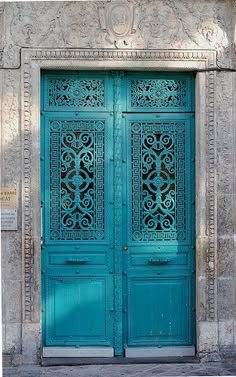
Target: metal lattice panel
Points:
(151, 93)
(158, 185)
(77, 180)
(161, 93)
(73, 93)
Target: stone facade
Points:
(154, 35)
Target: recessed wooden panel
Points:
(158, 311)
(78, 311)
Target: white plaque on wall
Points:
(8, 204)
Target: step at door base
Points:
(159, 352)
(78, 352)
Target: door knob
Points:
(125, 248)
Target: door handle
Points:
(76, 261)
(158, 261)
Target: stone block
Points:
(201, 299)
(13, 303)
(224, 87)
(225, 299)
(225, 261)
(208, 337)
(226, 333)
(3, 255)
(13, 261)
(3, 337)
(225, 168)
(201, 248)
(31, 338)
(4, 299)
(225, 226)
(7, 360)
(235, 333)
(13, 338)
(225, 131)
(225, 180)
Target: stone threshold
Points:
(70, 361)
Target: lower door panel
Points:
(158, 311)
(79, 311)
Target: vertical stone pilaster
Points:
(234, 30)
(1, 32)
(234, 197)
(3, 240)
(225, 167)
(11, 247)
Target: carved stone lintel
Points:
(117, 55)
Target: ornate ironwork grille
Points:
(77, 184)
(158, 187)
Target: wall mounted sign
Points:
(8, 204)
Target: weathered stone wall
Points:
(225, 165)
(149, 24)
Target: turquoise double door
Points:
(117, 193)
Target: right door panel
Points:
(160, 257)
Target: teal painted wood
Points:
(164, 320)
(159, 231)
(110, 180)
(79, 307)
(118, 195)
(77, 214)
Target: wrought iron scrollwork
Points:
(158, 186)
(77, 175)
(158, 93)
(76, 93)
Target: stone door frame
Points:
(33, 61)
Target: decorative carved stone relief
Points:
(118, 23)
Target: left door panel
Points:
(77, 207)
